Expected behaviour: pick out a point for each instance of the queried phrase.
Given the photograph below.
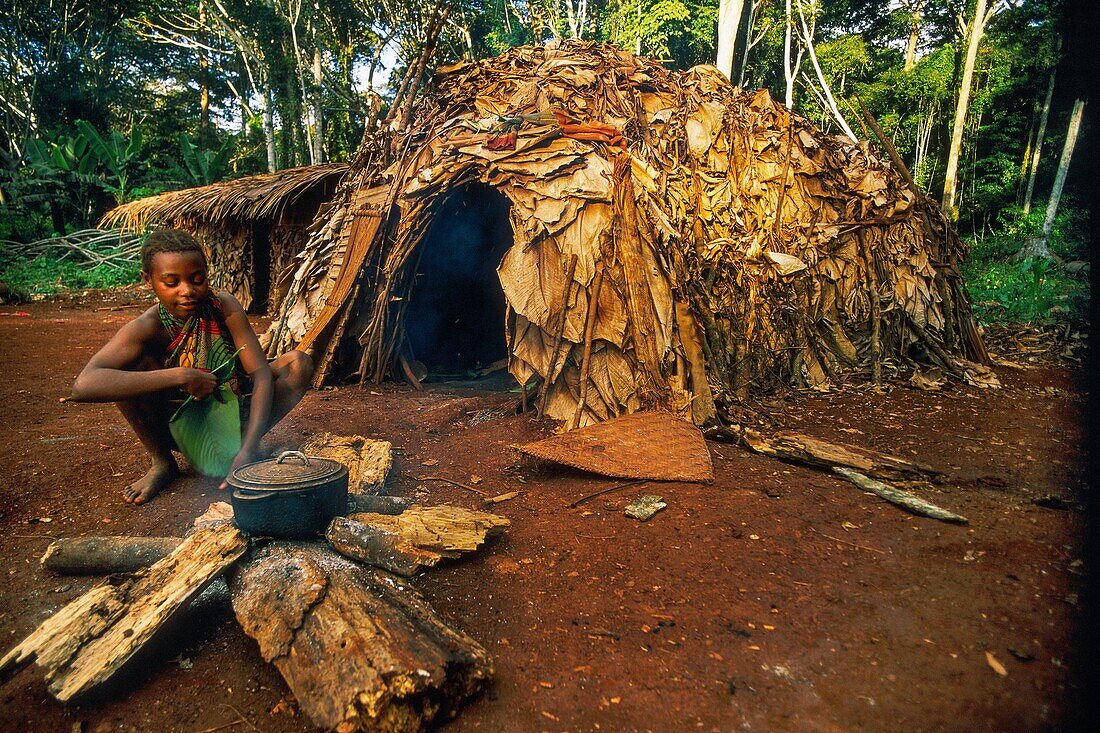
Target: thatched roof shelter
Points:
(251, 227)
(652, 238)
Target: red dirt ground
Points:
(777, 598)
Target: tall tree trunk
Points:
(291, 113)
(914, 34)
(830, 102)
(1038, 149)
(204, 83)
(950, 182)
(269, 130)
(788, 72)
(1063, 165)
(729, 21)
(746, 33)
(576, 18)
(1025, 162)
(920, 152)
(318, 120)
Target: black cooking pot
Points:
(294, 495)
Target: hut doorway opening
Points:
(456, 310)
(261, 267)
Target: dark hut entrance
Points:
(455, 316)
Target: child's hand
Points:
(196, 382)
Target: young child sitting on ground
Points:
(169, 351)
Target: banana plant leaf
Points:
(208, 432)
(221, 372)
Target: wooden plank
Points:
(359, 648)
(87, 641)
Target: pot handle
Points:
(254, 496)
(293, 454)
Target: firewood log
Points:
(807, 450)
(87, 641)
(900, 497)
(378, 504)
(379, 547)
(102, 555)
(359, 648)
(448, 530)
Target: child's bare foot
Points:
(149, 485)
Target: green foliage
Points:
(1032, 290)
(117, 154)
(681, 31)
(844, 58)
(22, 226)
(67, 155)
(203, 167)
(48, 275)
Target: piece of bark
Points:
(218, 513)
(812, 451)
(359, 648)
(102, 555)
(379, 547)
(368, 461)
(87, 641)
(448, 530)
(702, 404)
(899, 497)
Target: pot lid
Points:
(291, 470)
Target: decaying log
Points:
(812, 451)
(368, 461)
(378, 504)
(101, 555)
(359, 648)
(447, 530)
(900, 497)
(382, 548)
(87, 641)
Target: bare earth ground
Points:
(778, 598)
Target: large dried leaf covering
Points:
(735, 247)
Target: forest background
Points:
(105, 102)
